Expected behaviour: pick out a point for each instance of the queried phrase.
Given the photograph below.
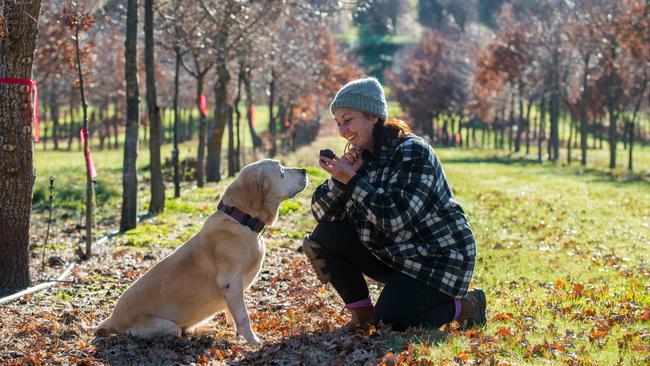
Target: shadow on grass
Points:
(320, 348)
(326, 348)
(597, 175)
(170, 350)
(494, 159)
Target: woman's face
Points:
(355, 127)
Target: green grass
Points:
(562, 250)
(562, 257)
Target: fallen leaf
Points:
(646, 314)
(577, 289)
(462, 357)
(505, 332)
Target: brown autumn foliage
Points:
(433, 80)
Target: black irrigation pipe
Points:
(43, 286)
(49, 221)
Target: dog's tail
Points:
(106, 327)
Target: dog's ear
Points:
(263, 186)
(251, 187)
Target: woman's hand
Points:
(343, 168)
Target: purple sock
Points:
(360, 304)
(457, 305)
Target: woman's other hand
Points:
(354, 158)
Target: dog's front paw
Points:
(252, 339)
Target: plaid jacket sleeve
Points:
(328, 201)
(402, 201)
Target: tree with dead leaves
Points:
(79, 20)
(634, 38)
(433, 81)
(234, 21)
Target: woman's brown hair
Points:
(396, 128)
(393, 128)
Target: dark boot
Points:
(473, 309)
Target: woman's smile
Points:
(355, 127)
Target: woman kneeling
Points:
(387, 212)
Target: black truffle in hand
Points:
(328, 153)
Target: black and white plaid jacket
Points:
(404, 212)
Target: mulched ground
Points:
(292, 313)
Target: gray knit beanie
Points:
(364, 95)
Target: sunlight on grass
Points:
(562, 250)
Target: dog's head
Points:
(262, 186)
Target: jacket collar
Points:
(242, 217)
(385, 151)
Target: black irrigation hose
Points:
(49, 221)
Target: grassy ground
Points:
(562, 256)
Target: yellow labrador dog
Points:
(210, 272)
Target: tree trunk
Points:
(202, 131)
(541, 134)
(424, 120)
(70, 122)
(583, 110)
(272, 127)
(213, 168)
(16, 150)
(115, 123)
(554, 140)
(280, 118)
(632, 123)
(175, 152)
(54, 112)
(189, 124)
(231, 144)
(600, 132)
(520, 120)
(444, 130)
(257, 141)
(554, 108)
(452, 128)
(240, 80)
(128, 219)
(427, 126)
(90, 193)
(527, 125)
(612, 108)
(511, 122)
(571, 124)
(483, 137)
(233, 136)
(157, 203)
(102, 126)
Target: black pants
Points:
(404, 301)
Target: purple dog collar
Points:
(242, 217)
